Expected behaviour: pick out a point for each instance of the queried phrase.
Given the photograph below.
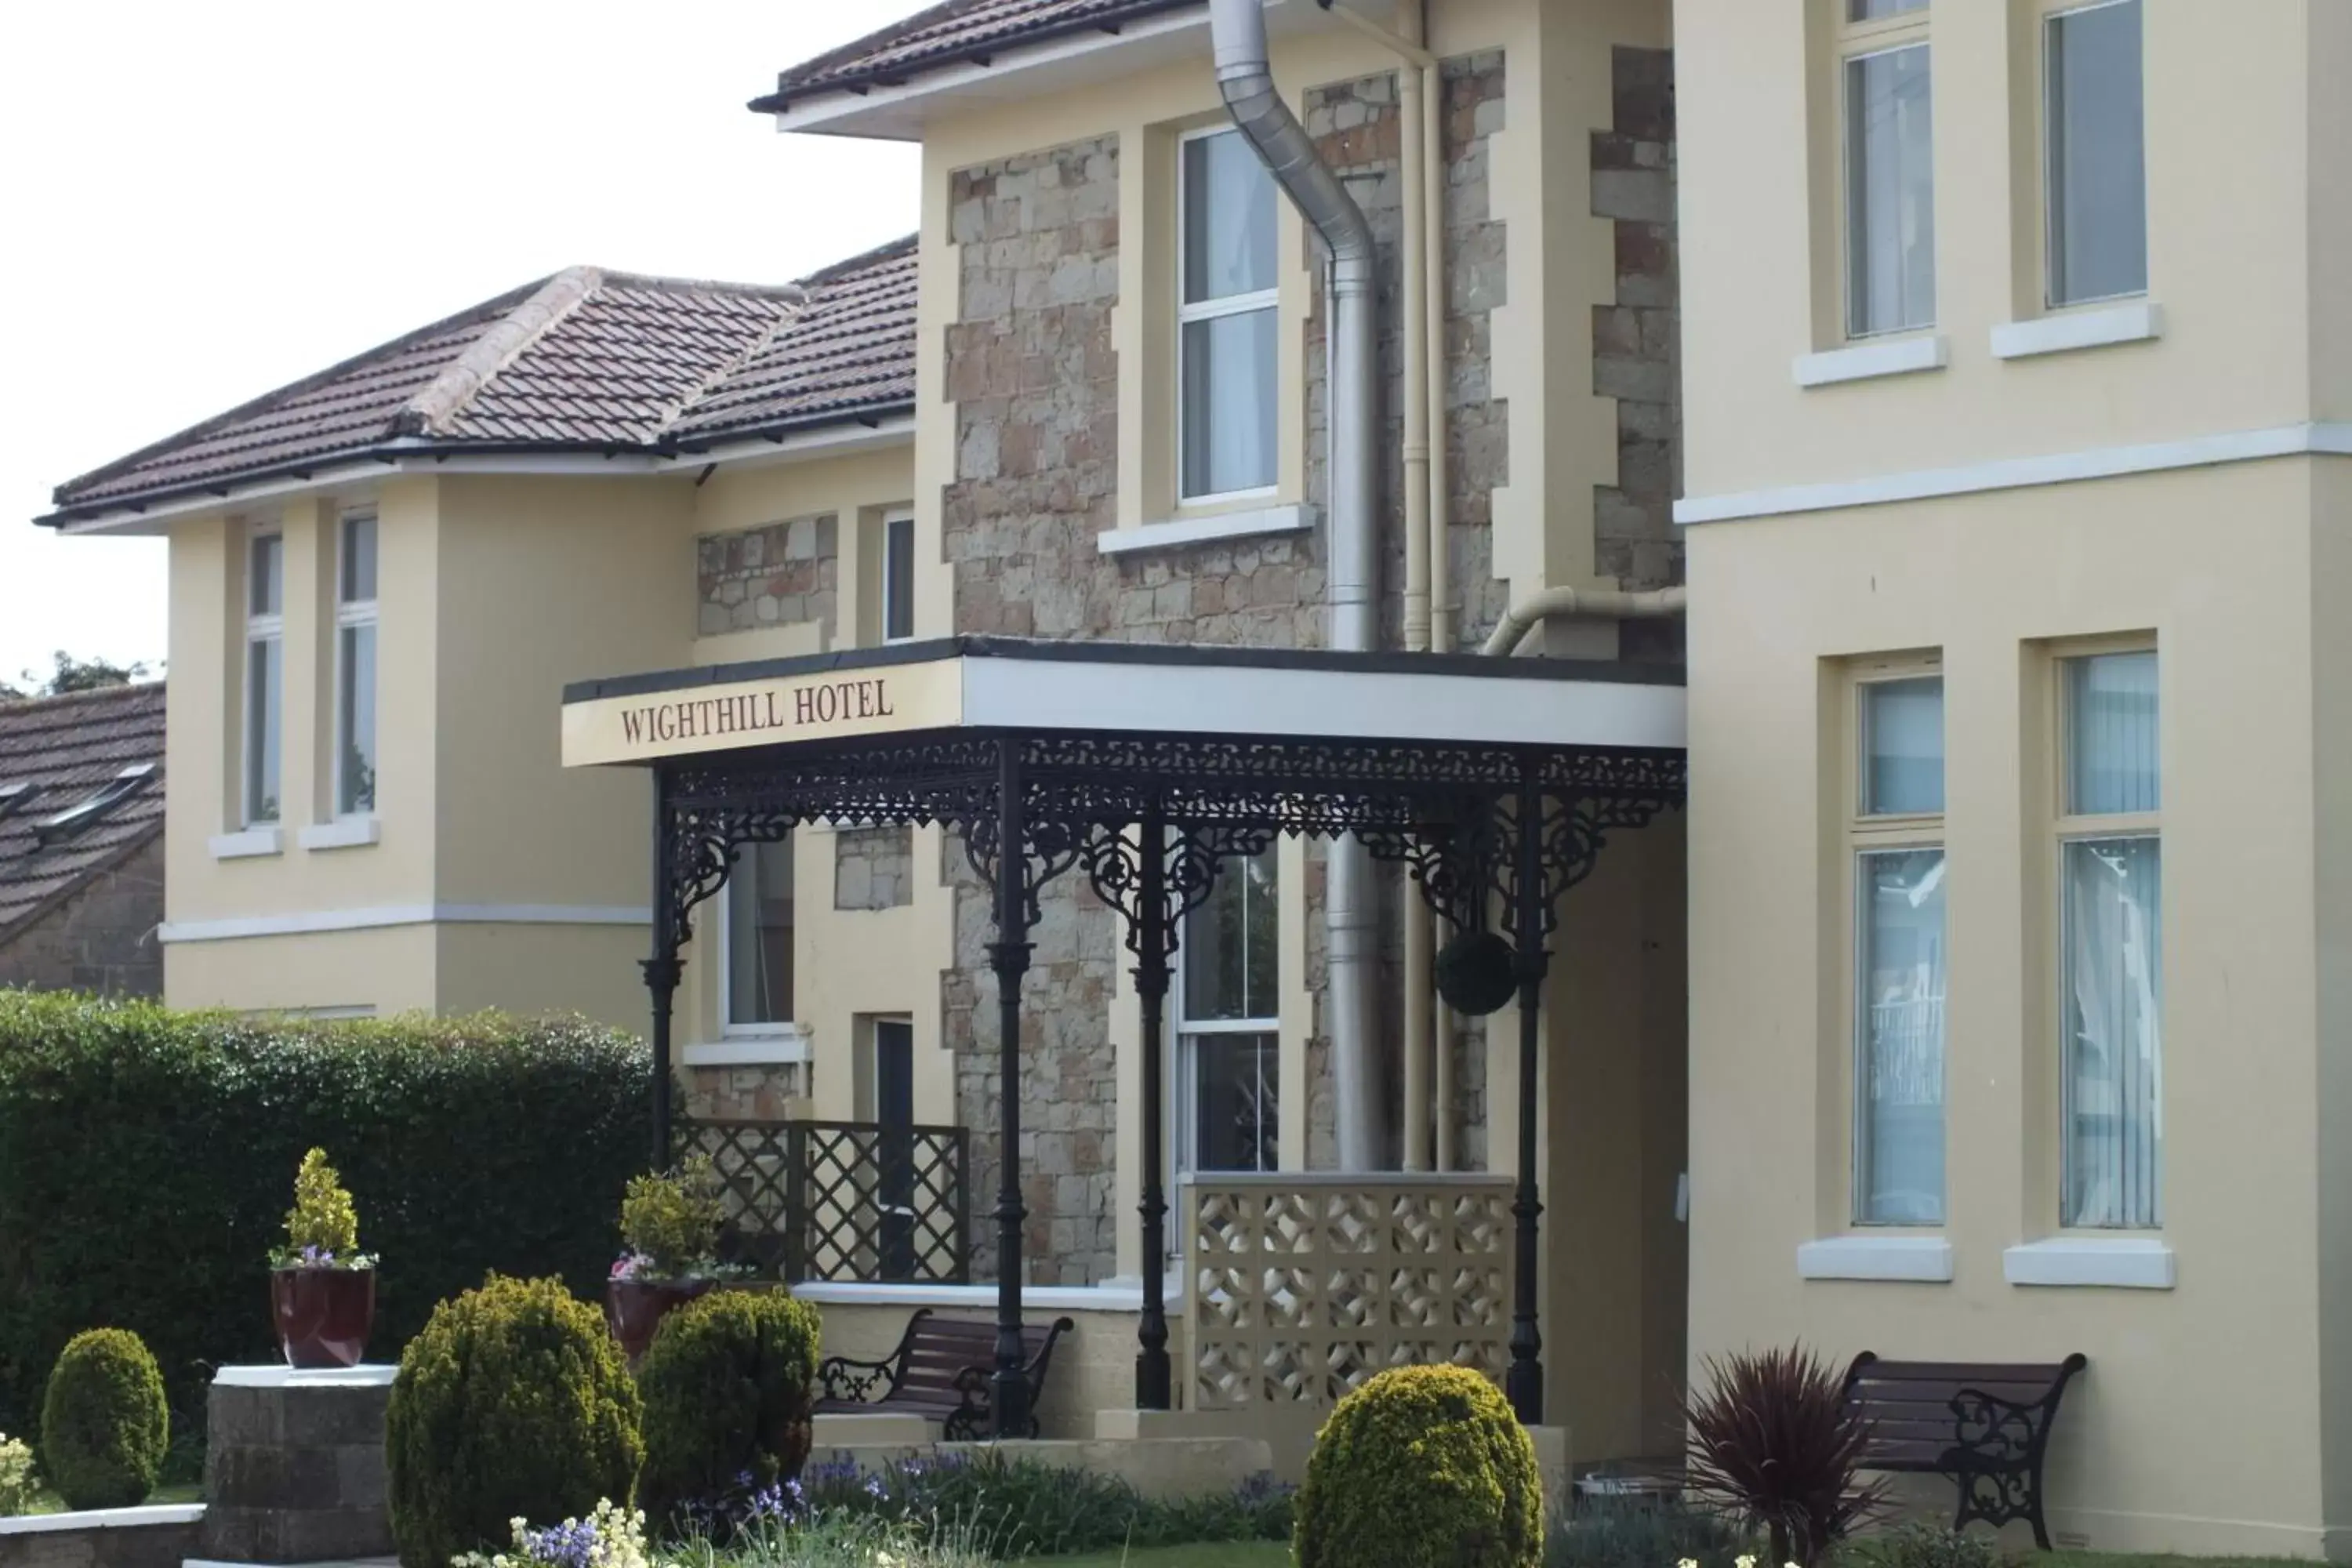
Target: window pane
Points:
(1899, 1144)
(1902, 747)
(2113, 996)
(1871, 10)
(355, 721)
(266, 581)
(1229, 403)
(898, 578)
(1235, 1122)
(1229, 206)
(359, 560)
(760, 935)
(1232, 947)
(2097, 177)
(265, 682)
(1890, 192)
(2111, 734)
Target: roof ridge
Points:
(14, 706)
(863, 259)
(679, 406)
(436, 407)
(252, 406)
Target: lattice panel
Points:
(842, 1200)
(1302, 1288)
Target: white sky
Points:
(208, 200)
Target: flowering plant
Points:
(19, 1486)
(322, 1229)
(611, 1537)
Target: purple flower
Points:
(571, 1544)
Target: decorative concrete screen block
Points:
(159, 1537)
(1304, 1286)
(294, 1471)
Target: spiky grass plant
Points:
(1775, 1443)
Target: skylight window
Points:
(13, 798)
(76, 817)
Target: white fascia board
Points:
(802, 445)
(2123, 1262)
(1912, 1260)
(1243, 699)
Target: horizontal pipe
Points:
(1609, 604)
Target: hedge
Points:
(146, 1156)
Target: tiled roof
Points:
(70, 748)
(959, 32)
(587, 360)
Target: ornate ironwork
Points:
(1112, 854)
(844, 1200)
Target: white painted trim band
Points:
(2127, 1265)
(1183, 530)
(1915, 1259)
(2022, 473)
(309, 922)
(975, 1298)
(251, 844)
(343, 833)
(367, 1374)
(785, 1047)
(2138, 322)
(150, 1515)
(1869, 362)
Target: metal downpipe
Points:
(1245, 82)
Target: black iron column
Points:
(662, 970)
(1524, 1383)
(1153, 1390)
(1009, 955)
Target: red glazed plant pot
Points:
(323, 1315)
(634, 1309)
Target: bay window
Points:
(1227, 363)
(1897, 842)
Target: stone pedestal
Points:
(295, 1472)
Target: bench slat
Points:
(1961, 1372)
(1939, 1396)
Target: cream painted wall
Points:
(2331, 568)
(391, 970)
(2199, 1425)
(2235, 169)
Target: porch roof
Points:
(1047, 688)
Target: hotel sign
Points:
(828, 705)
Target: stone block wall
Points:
(101, 937)
(783, 574)
(105, 1539)
(873, 867)
(761, 1093)
(296, 1473)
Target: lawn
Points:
(1224, 1554)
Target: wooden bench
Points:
(1985, 1425)
(941, 1371)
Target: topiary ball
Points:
(104, 1425)
(513, 1402)
(1420, 1467)
(727, 1383)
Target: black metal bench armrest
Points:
(855, 1382)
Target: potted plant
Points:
(669, 1234)
(321, 1286)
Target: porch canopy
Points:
(1493, 782)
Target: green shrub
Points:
(1921, 1544)
(670, 1220)
(104, 1425)
(19, 1485)
(513, 1402)
(1420, 1467)
(1615, 1533)
(145, 1152)
(727, 1385)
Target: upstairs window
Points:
(2095, 183)
(756, 979)
(1229, 1045)
(265, 674)
(899, 577)
(355, 667)
(1890, 168)
(1227, 362)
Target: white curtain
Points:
(2115, 1067)
(1899, 1164)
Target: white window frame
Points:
(724, 925)
(259, 628)
(891, 521)
(1268, 299)
(2050, 130)
(348, 614)
(1859, 40)
(1183, 1059)
(1867, 835)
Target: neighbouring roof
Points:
(585, 361)
(75, 751)
(958, 32)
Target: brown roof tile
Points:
(958, 32)
(70, 748)
(852, 347)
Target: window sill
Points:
(1251, 524)
(1869, 362)
(788, 1046)
(248, 845)
(1911, 1259)
(2133, 1265)
(343, 833)
(2138, 322)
